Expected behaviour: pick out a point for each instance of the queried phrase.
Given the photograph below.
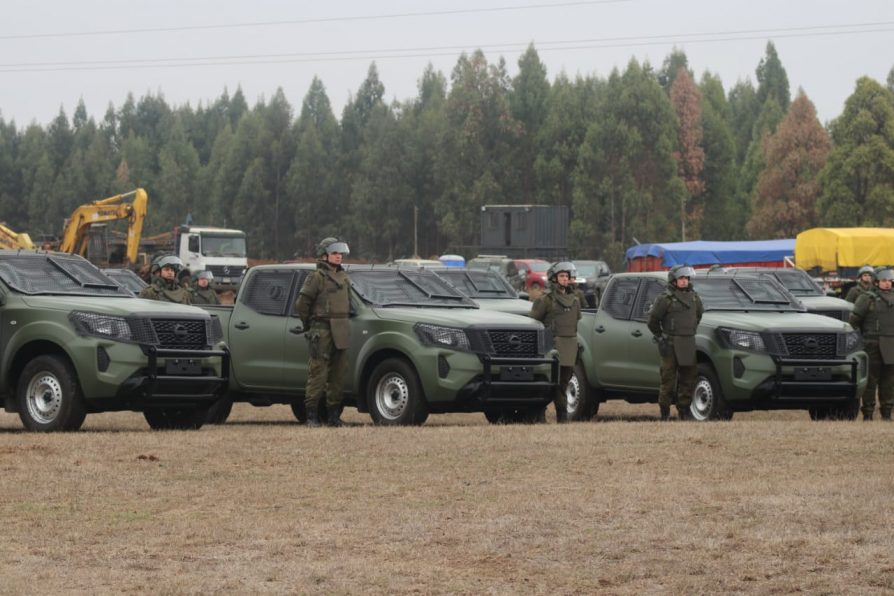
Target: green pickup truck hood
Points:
(454, 317)
(510, 305)
(825, 303)
(112, 306)
(771, 321)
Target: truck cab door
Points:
(258, 327)
(643, 358)
(611, 329)
(297, 353)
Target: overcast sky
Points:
(56, 52)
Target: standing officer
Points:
(873, 317)
(201, 292)
(673, 321)
(864, 283)
(558, 308)
(324, 305)
(165, 286)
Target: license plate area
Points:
(813, 373)
(516, 373)
(183, 367)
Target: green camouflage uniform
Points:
(673, 321)
(166, 291)
(873, 317)
(324, 306)
(855, 292)
(559, 310)
(203, 296)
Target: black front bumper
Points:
(152, 387)
(489, 390)
(788, 389)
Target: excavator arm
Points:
(10, 239)
(74, 238)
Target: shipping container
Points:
(521, 231)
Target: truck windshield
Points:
(797, 282)
(479, 283)
(223, 246)
(740, 293)
(395, 287)
(57, 274)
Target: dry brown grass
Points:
(767, 503)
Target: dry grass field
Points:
(767, 503)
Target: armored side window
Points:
(650, 291)
(619, 298)
(268, 292)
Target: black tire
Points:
(220, 411)
(531, 415)
(581, 399)
(176, 418)
(847, 411)
(49, 396)
(299, 410)
(707, 399)
(394, 394)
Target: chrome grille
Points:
(226, 270)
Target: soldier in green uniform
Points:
(324, 305)
(558, 308)
(673, 321)
(873, 317)
(864, 284)
(201, 291)
(165, 286)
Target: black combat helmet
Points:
(332, 244)
(557, 268)
(170, 261)
(678, 271)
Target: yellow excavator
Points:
(12, 240)
(75, 237)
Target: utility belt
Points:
(324, 321)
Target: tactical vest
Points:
(206, 296)
(333, 301)
(879, 319)
(681, 317)
(563, 313)
(166, 292)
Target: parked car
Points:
(592, 277)
(802, 286)
(488, 288)
(758, 349)
(533, 272)
(502, 265)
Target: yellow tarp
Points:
(832, 248)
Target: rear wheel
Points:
(49, 397)
(176, 418)
(220, 411)
(299, 410)
(707, 399)
(394, 394)
(581, 400)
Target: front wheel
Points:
(299, 410)
(394, 394)
(220, 411)
(582, 404)
(707, 399)
(176, 418)
(49, 397)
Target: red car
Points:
(533, 271)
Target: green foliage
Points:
(721, 222)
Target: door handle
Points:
(600, 329)
(637, 333)
(241, 325)
(297, 329)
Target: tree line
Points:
(645, 155)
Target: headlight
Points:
(442, 337)
(852, 342)
(98, 325)
(743, 340)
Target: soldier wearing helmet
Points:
(673, 320)
(324, 305)
(865, 277)
(558, 308)
(873, 317)
(201, 291)
(165, 286)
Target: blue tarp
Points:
(704, 252)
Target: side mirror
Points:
(524, 296)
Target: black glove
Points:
(664, 344)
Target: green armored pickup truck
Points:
(418, 346)
(757, 350)
(73, 342)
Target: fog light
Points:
(738, 367)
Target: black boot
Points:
(886, 416)
(683, 412)
(333, 417)
(313, 419)
(867, 417)
(665, 412)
